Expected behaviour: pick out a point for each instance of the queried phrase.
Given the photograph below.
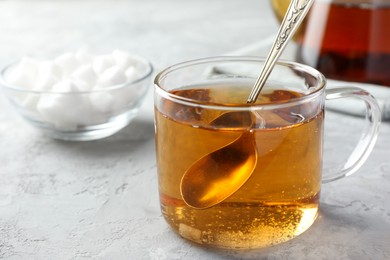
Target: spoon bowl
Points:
(219, 174)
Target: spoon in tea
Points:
(219, 174)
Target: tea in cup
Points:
(236, 175)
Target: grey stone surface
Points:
(99, 200)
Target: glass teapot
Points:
(345, 39)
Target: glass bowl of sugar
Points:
(78, 96)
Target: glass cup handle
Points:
(368, 138)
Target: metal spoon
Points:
(219, 174)
(294, 16)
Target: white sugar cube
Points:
(18, 79)
(30, 102)
(130, 74)
(49, 67)
(24, 73)
(67, 85)
(85, 73)
(64, 86)
(111, 77)
(53, 109)
(70, 110)
(68, 62)
(101, 63)
(81, 86)
(45, 82)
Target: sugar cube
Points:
(45, 82)
(49, 67)
(85, 73)
(24, 73)
(68, 62)
(102, 62)
(111, 77)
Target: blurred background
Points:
(163, 31)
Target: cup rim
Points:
(214, 105)
(143, 76)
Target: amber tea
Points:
(280, 199)
(237, 175)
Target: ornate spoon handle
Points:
(294, 16)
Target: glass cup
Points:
(268, 155)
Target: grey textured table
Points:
(99, 200)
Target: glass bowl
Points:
(80, 115)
